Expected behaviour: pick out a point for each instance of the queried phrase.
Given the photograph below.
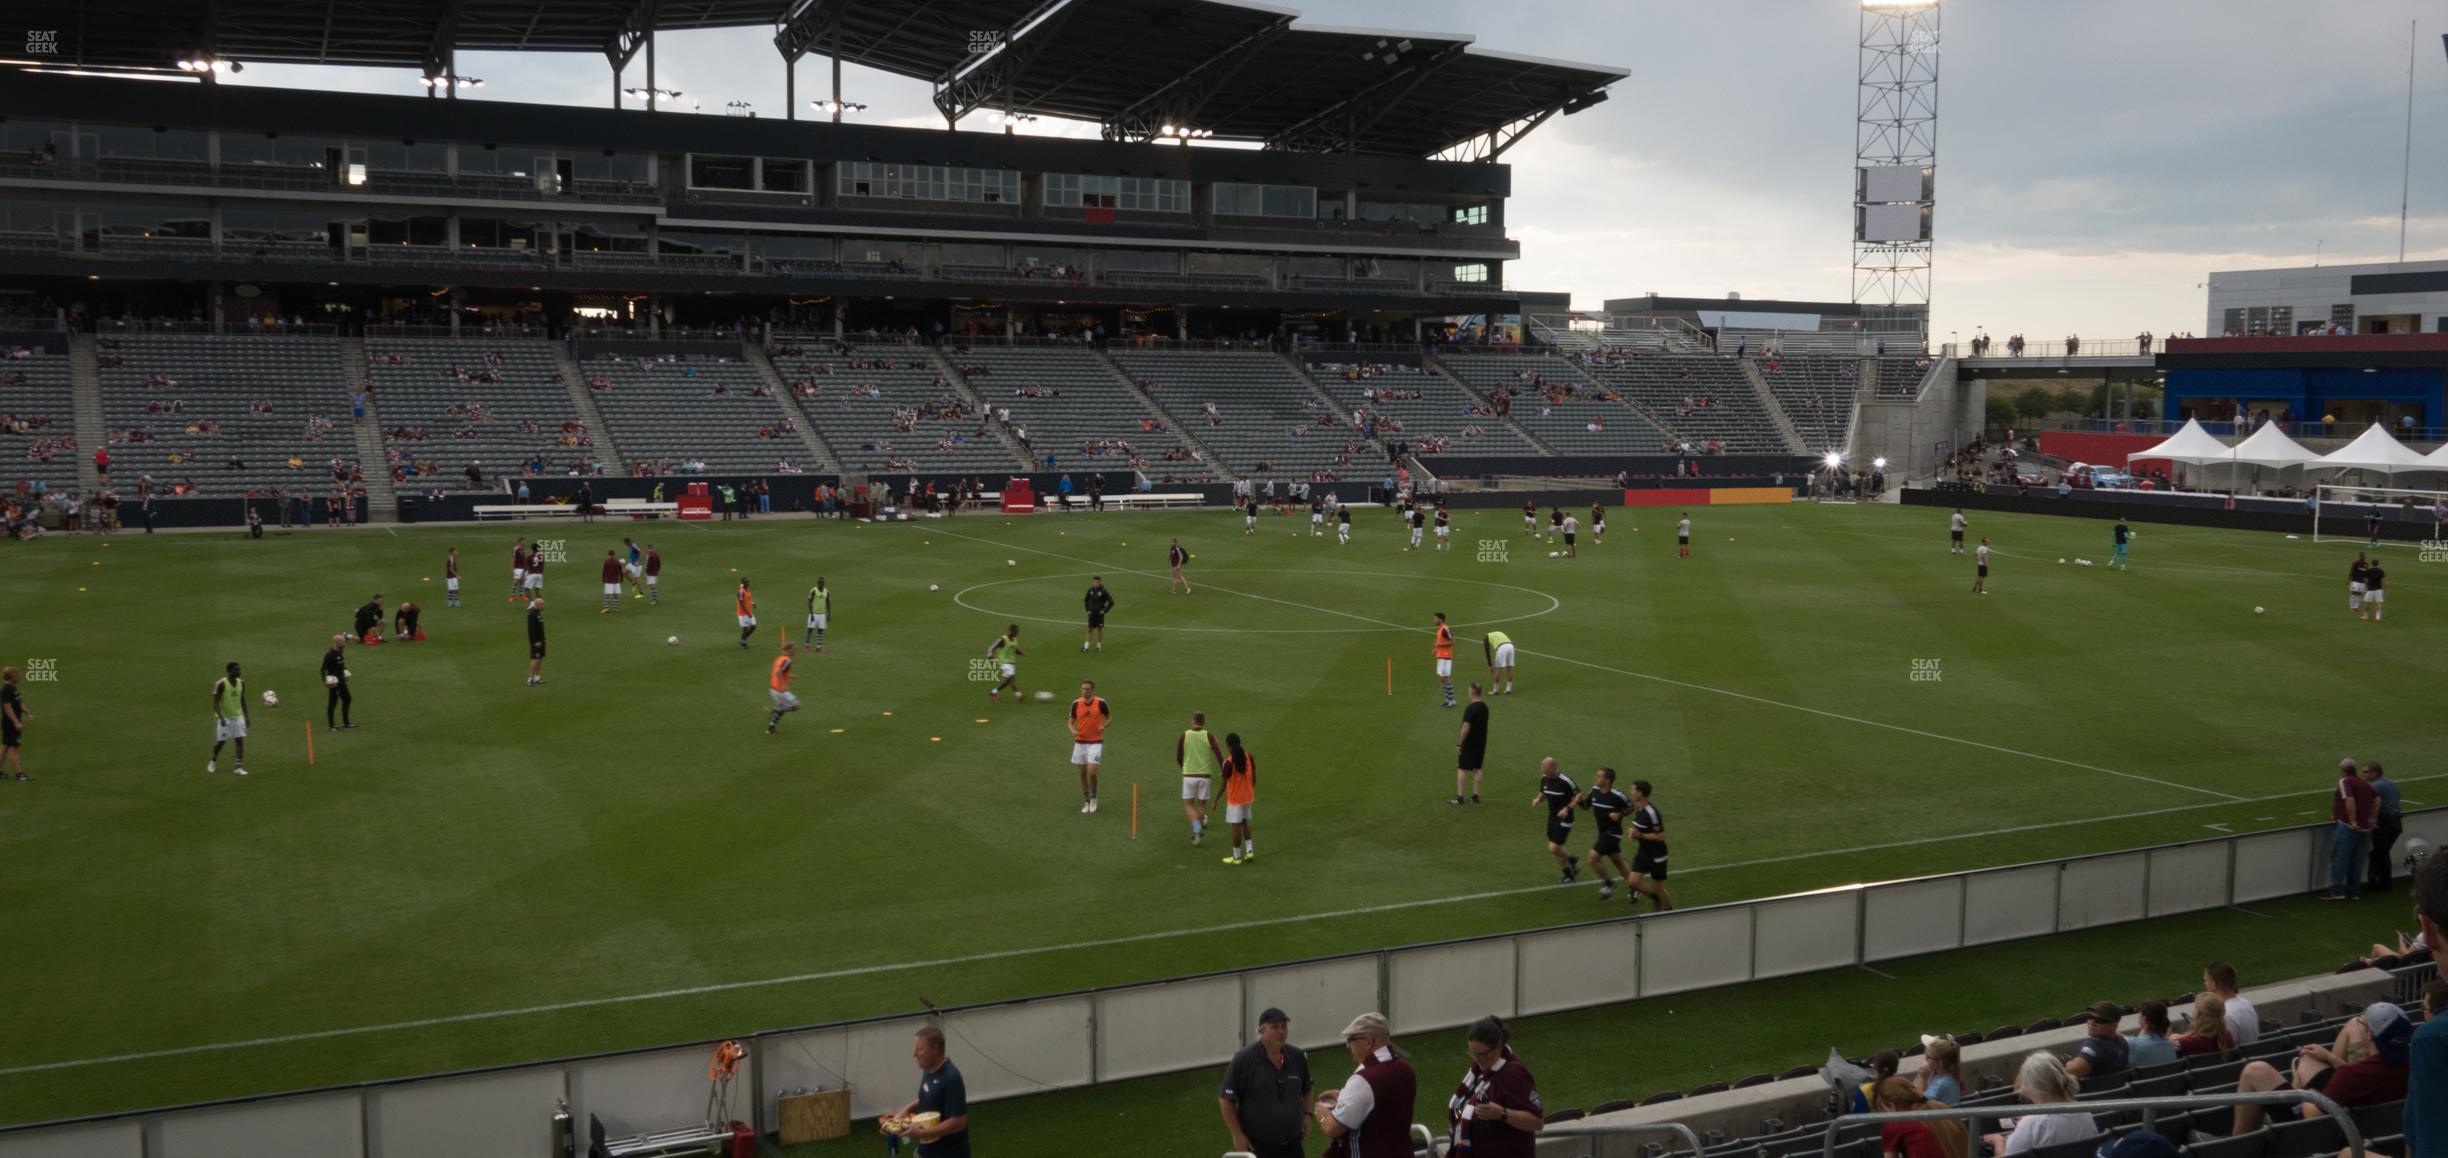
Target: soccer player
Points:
(611, 582)
(1175, 557)
(1610, 807)
(1556, 794)
(1980, 563)
(518, 570)
(1240, 798)
(1471, 747)
(2121, 536)
(369, 620)
(1444, 657)
(1343, 526)
(820, 613)
(1006, 653)
(654, 576)
(744, 605)
(2371, 526)
(229, 704)
(404, 622)
(1317, 516)
(1597, 524)
(535, 573)
(1419, 524)
(784, 702)
(1098, 601)
(633, 569)
(2375, 591)
(13, 717)
(1201, 761)
(535, 641)
(1683, 537)
(1572, 528)
(1530, 518)
(1444, 527)
(1249, 515)
(336, 699)
(1555, 523)
(2357, 578)
(1499, 649)
(1649, 850)
(450, 575)
(1089, 714)
(1955, 530)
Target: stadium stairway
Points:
(1181, 429)
(1776, 412)
(1319, 392)
(1482, 399)
(85, 392)
(808, 434)
(582, 403)
(961, 388)
(382, 501)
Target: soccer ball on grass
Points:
(672, 641)
(271, 700)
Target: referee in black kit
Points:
(1098, 602)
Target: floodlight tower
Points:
(1895, 156)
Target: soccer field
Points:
(483, 872)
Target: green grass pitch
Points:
(486, 873)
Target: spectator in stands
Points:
(1266, 1099)
(2426, 1108)
(1883, 1065)
(2209, 1032)
(2243, 1021)
(2104, 1051)
(2366, 1066)
(2356, 810)
(1373, 1109)
(2043, 1082)
(1941, 1079)
(1495, 1112)
(2151, 1046)
(1940, 1139)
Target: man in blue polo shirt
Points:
(2426, 1104)
(940, 1091)
(1266, 1098)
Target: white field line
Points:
(1667, 680)
(1075, 946)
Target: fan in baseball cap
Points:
(2392, 1034)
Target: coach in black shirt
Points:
(1473, 745)
(369, 617)
(1267, 1092)
(335, 680)
(1098, 602)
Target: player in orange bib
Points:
(783, 701)
(1089, 714)
(1240, 797)
(747, 614)
(1444, 656)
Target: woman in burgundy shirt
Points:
(1937, 1139)
(1495, 1112)
(2209, 1028)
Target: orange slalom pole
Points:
(1389, 675)
(1134, 810)
(310, 743)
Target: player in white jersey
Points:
(1955, 530)
(1572, 527)
(1683, 537)
(1980, 560)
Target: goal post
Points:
(2407, 514)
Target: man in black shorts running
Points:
(1556, 795)
(1473, 745)
(1649, 858)
(1609, 806)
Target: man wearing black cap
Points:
(1266, 1094)
(2103, 1052)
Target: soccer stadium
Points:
(967, 532)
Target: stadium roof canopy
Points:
(1228, 70)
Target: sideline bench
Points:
(526, 511)
(1133, 500)
(640, 508)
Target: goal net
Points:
(2364, 514)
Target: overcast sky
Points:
(2095, 157)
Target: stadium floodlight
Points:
(208, 63)
(837, 106)
(1834, 459)
(1879, 463)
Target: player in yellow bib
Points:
(229, 704)
(1006, 655)
(1499, 648)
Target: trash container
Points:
(407, 508)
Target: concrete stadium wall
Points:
(1907, 431)
(1007, 1049)
(2281, 516)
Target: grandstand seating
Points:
(1817, 394)
(1664, 382)
(671, 413)
(1089, 404)
(45, 394)
(1261, 402)
(856, 409)
(217, 382)
(1566, 426)
(1443, 412)
(519, 419)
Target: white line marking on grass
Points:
(1100, 943)
(961, 597)
(1876, 972)
(1671, 682)
(2250, 912)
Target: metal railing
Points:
(1582, 1128)
(2062, 349)
(2149, 1108)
